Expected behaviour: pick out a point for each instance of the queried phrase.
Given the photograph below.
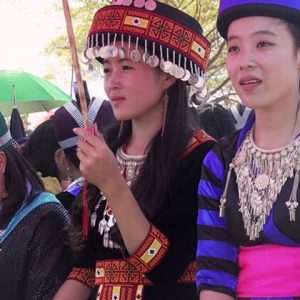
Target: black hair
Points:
(40, 148)
(71, 154)
(295, 31)
(18, 173)
(216, 120)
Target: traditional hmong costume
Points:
(155, 270)
(34, 256)
(248, 218)
(33, 252)
(163, 267)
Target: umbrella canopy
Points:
(32, 93)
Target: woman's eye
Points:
(127, 67)
(106, 70)
(263, 44)
(233, 49)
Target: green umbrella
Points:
(32, 93)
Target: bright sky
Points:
(25, 28)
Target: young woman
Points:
(248, 220)
(142, 238)
(34, 258)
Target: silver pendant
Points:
(102, 226)
(135, 55)
(96, 51)
(186, 76)
(93, 219)
(193, 79)
(112, 51)
(153, 61)
(122, 53)
(167, 67)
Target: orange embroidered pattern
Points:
(84, 275)
(125, 279)
(200, 136)
(152, 26)
(151, 252)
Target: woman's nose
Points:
(247, 60)
(114, 79)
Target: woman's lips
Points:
(118, 99)
(249, 84)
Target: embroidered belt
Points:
(118, 279)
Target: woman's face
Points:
(134, 88)
(262, 62)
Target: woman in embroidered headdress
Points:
(34, 257)
(143, 203)
(249, 216)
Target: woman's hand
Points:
(97, 162)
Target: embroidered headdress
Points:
(172, 39)
(231, 10)
(69, 116)
(5, 136)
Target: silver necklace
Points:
(261, 175)
(129, 167)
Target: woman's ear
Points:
(3, 161)
(169, 80)
(59, 158)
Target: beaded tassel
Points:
(292, 204)
(223, 198)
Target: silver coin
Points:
(200, 84)
(89, 53)
(112, 51)
(146, 57)
(194, 79)
(167, 66)
(150, 5)
(186, 76)
(122, 53)
(135, 55)
(96, 51)
(174, 70)
(153, 61)
(139, 3)
(105, 52)
(179, 73)
(84, 60)
(127, 2)
(102, 52)
(204, 92)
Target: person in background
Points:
(39, 150)
(65, 119)
(249, 215)
(141, 241)
(216, 120)
(34, 258)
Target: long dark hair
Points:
(21, 182)
(164, 152)
(158, 169)
(40, 148)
